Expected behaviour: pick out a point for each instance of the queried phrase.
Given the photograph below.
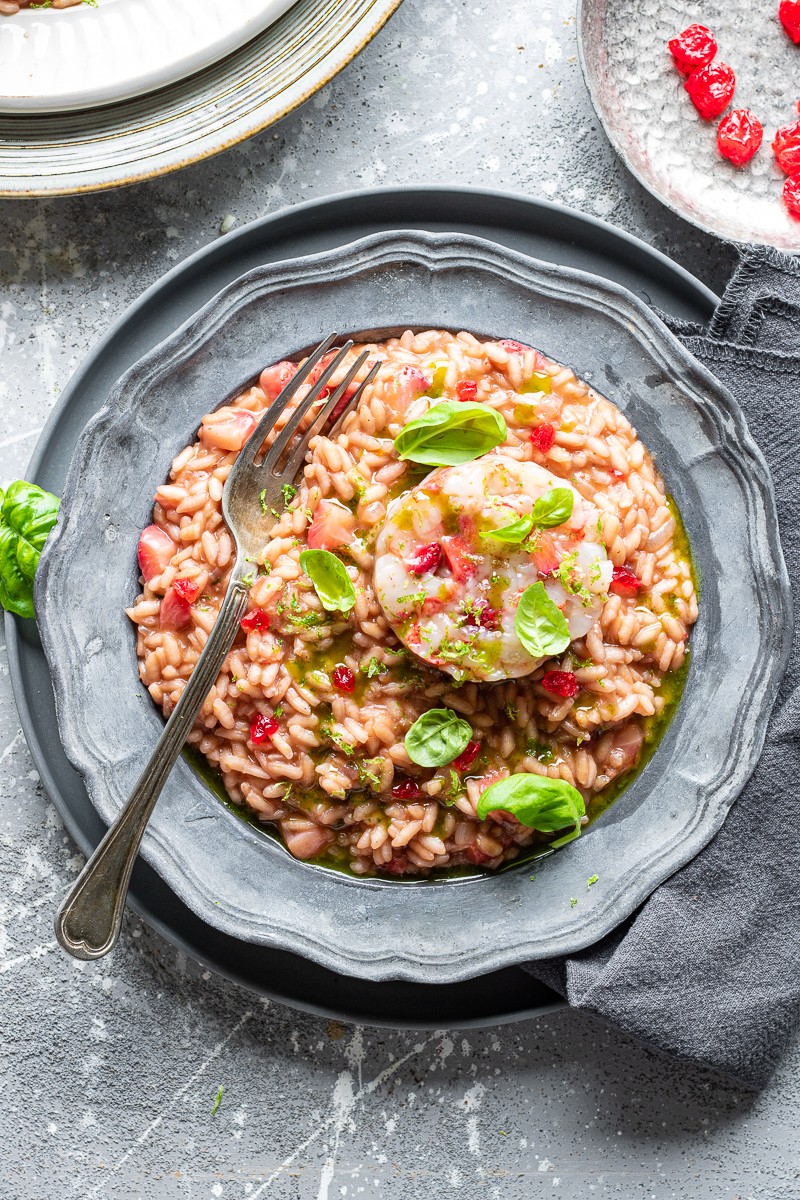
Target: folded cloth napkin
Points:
(708, 969)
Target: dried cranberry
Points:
(343, 679)
(739, 136)
(711, 89)
(425, 559)
(256, 619)
(560, 683)
(407, 790)
(542, 437)
(624, 582)
(467, 756)
(467, 389)
(789, 15)
(791, 195)
(786, 147)
(693, 48)
(261, 728)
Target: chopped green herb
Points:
(573, 901)
(373, 668)
(592, 879)
(277, 710)
(289, 493)
(217, 1098)
(262, 496)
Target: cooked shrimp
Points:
(450, 589)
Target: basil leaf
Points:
(539, 624)
(536, 801)
(330, 579)
(514, 534)
(27, 514)
(437, 737)
(451, 433)
(553, 508)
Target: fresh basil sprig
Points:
(27, 514)
(536, 801)
(437, 737)
(550, 510)
(330, 579)
(451, 433)
(540, 624)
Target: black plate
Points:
(543, 230)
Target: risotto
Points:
(512, 597)
(9, 7)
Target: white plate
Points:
(59, 60)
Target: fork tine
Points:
(271, 414)
(294, 462)
(285, 436)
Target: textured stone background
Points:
(109, 1071)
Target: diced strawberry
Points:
(262, 727)
(315, 372)
(561, 683)
(274, 379)
(484, 615)
(333, 525)
(343, 679)
(155, 551)
(231, 433)
(397, 865)
(542, 437)
(477, 856)
(410, 383)
(413, 636)
(544, 554)
(624, 582)
(425, 559)
(257, 618)
(409, 789)
(176, 606)
(459, 560)
(467, 756)
(466, 389)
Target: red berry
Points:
(560, 683)
(484, 615)
(739, 136)
(789, 14)
(256, 619)
(187, 589)
(407, 790)
(467, 389)
(786, 147)
(467, 756)
(261, 728)
(542, 437)
(693, 48)
(711, 89)
(425, 559)
(624, 582)
(791, 195)
(343, 679)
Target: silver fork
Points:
(89, 920)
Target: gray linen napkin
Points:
(708, 969)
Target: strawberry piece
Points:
(711, 89)
(466, 389)
(739, 136)
(786, 148)
(261, 728)
(333, 525)
(561, 683)
(274, 379)
(459, 560)
(176, 607)
(255, 619)
(343, 679)
(467, 756)
(397, 865)
(791, 195)
(542, 438)
(544, 555)
(425, 559)
(409, 789)
(789, 16)
(624, 582)
(155, 551)
(694, 48)
(410, 383)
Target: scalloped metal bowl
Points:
(246, 884)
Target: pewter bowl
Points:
(433, 932)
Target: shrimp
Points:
(450, 588)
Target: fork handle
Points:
(89, 920)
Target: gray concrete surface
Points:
(109, 1072)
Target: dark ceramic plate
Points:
(248, 886)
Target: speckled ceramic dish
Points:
(80, 57)
(243, 882)
(654, 127)
(254, 86)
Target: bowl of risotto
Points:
(490, 687)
